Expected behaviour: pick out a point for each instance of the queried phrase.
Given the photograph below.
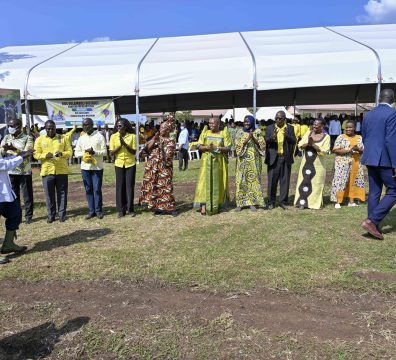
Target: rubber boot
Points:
(9, 246)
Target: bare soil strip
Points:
(325, 315)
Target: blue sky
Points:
(58, 21)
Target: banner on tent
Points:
(72, 112)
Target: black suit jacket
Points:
(289, 144)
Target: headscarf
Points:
(168, 124)
(252, 122)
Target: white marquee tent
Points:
(281, 67)
(266, 113)
(238, 114)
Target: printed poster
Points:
(67, 113)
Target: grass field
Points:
(317, 254)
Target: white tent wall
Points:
(302, 66)
(15, 62)
(266, 113)
(382, 38)
(309, 57)
(194, 64)
(240, 114)
(97, 69)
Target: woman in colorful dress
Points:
(250, 147)
(123, 147)
(348, 181)
(312, 173)
(212, 186)
(157, 187)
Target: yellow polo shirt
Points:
(123, 158)
(297, 130)
(56, 165)
(280, 138)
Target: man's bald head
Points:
(387, 96)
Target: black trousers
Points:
(333, 138)
(280, 171)
(24, 182)
(56, 185)
(183, 157)
(125, 189)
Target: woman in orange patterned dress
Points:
(348, 178)
(157, 187)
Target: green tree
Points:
(183, 116)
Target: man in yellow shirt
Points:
(53, 150)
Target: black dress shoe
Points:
(120, 215)
(132, 214)
(283, 206)
(89, 216)
(50, 220)
(62, 219)
(271, 206)
(100, 215)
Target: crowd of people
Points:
(278, 142)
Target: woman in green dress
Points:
(312, 174)
(212, 186)
(250, 147)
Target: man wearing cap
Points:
(16, 141)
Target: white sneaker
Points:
(337, 206)
(353, 204)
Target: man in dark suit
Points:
(280, 142)
(379, 139)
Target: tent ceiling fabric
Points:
(308, 66)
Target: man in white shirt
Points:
(91, 148)
(183, 144)
(9, 206)
(334, 130)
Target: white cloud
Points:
(97, 39)
(102, 38)
(379, 12)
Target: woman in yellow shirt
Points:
(123, 148)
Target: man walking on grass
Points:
(379, 139)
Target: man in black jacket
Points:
(280, 143)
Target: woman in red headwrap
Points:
(157, 187)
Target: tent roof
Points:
(210, 71)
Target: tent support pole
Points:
(379, 71)
(137, 90)
(254, 75)
(26, 93)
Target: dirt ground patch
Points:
(325, 315)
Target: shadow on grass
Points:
(78, 236)
(388, 225)
(81, 211)
(37, 342)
